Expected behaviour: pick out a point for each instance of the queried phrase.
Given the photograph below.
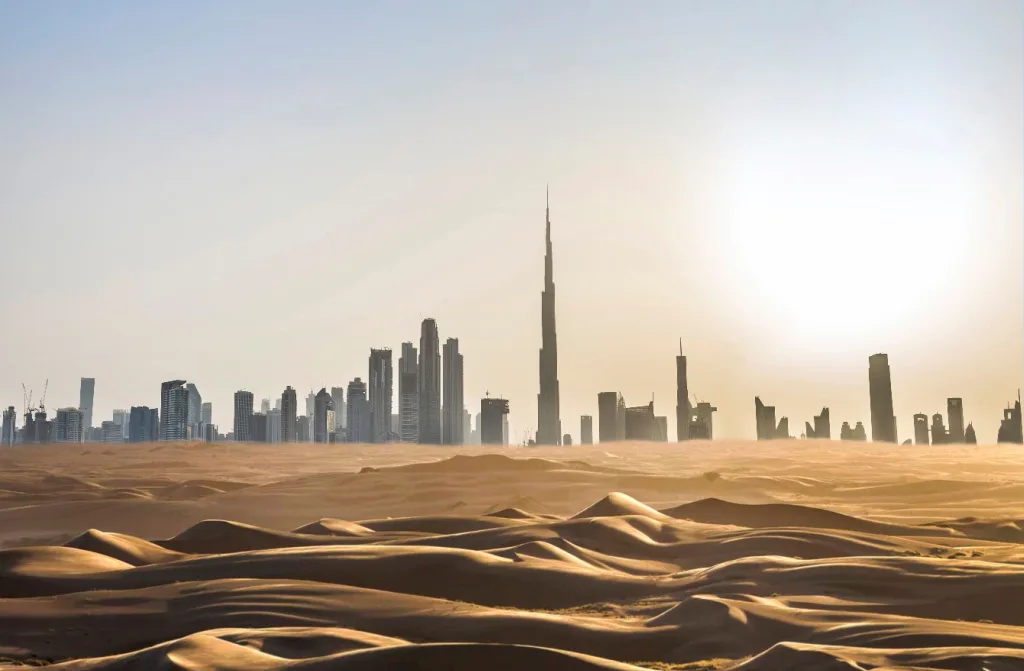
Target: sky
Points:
(251, 194)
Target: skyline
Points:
(692, 157)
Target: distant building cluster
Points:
(431, 407)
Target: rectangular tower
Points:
(85, 399)
(243, 416)
(955, 412)
(683, 412)
(586, 430)
(883, 422)
(608, 417)
(452, 409)
(381, 392)
(492, 421)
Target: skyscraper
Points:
(311, 414)
(338, 399)
(955, 411)
(360, 428)
(174, 410)
(274, 426)
(883, 422)
(451, 427)
(429, 384)
(765, 419)
(10, 421)
(1011, 429)
(69, 425)
(143, 425)
(549, 426)
(586, 430)
(921, 429)
(608, 417)
(121, 419)
(85, 399)
(492, 421)
(381, 394)
(265, 406)
(683, 413)
(195, 411)
(467, 427)
(823, 425)
(408, 394)
(323, 412)
(243, 416)
(289, 416)
(258, 428)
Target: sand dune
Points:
(628, 557)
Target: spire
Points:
(680, 347)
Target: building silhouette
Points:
(257, 430)
(243, 417)
(608, 417)
(921, 429)
(69, 426)
(955, 413)
(453, 407)
(9, 427)
(492, 420)
(310, 410)
(274, 426)
(701, 424)
(684, 416)
(195, 412)
(429, 382)
(586, 430)
(1011, 429)
(764, 415)
(408, 394)
(207, 414)
(143, 425)
(782, 430)
(970, 437)
(360, 426)
(641, 424)
(173, 411)
(324, 417)
(822, 428)
(86, 397)
(549, 426)
(661, 422)
(289, 416)
(381, 392)
(338, 399)
(110, 432)
(883, 422)
(302, 431)
(940, 436)
(856, 433)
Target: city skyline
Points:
(745, 214)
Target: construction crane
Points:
(26, 398)
(42, 399)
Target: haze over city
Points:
(249, 195)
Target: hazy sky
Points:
(252, 194)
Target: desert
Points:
(710, 555)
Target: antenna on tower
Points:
(680, 347)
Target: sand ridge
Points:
(624, 557)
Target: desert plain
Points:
(729, 555)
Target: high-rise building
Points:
(311, 415)
(701, 424)
(823, 425)
(207, 413)
(110, 432)
(586, 430)
(195, 412)
(143, 425)
(451, 426)
(86, 395)
(549, 426)
(69, 425)
(492, 421)
(338, 399)
(323, 417)
(921, 429)
(567, 440)
(257, 432)
(467, 426)
(381, 392)
(9, 426)
(122, 419)
(608, 417)
(265, 406)
(955, 412)
(940, 436)
(302, 429)
(408, 394)
(883, 422)
(641, 424)
(429, 384)
(683, 413)
(765, 417)
(1011, 429)
(274, 435)
(970, 437)
(174, 407)
(662, 423)
(289, 416)
(360, 428)
(243, 416)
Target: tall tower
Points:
(883, 422)
(85, 399)
(243, 416)
(408, 394)
(429, 384)
(289, 416)
(683, 412)
(549, 426)
(955, 411)
(381, 395)
(451, 427)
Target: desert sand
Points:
(745, 556)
